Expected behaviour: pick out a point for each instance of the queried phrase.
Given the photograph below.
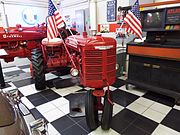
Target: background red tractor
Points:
(93, 59)
(19, 41)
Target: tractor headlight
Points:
(74, 72)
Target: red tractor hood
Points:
(15, 35)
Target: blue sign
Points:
(111, 11)
(29, 16)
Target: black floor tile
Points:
(119, 126)
(36, 114)
(83, 124)
(132, 130)
(123, 98)
(123, 119)
(12, 73)
(37, 99)
(24, 66)
(63, 123)
(49, 95)
(43, 97)
(75, 129)
(160, 98)
(119, 83)
(172, 120)
(23, 82)
(77, 119)
(145, 124)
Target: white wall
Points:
(14, 9)
(68, 7)
(102, 10)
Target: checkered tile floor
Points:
(135, 112)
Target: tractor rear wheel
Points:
(38, 69)
(91, 111)
(107, 112)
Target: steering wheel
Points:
(63, 33)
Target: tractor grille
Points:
(93, 53)
(94, 62)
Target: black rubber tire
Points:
(107, 113)
(177, 101)
(90, 111)
(38, 69)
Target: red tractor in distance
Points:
(19, 41)
(93, 59)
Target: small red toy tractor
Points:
(19, 41)
(93, 59)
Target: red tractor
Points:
(19, 41)
(93, 59)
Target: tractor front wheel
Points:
(38, 69)
(91, 111)
(107, 112)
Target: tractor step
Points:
(62, 83)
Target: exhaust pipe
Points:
(5, 22)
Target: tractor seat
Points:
(52, 42)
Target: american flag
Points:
(133, 21)
(54, 21)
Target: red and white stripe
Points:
(59, 20)
(54, 22)
(52, 31)
(134, 24)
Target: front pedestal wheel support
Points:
(107, 112)
(91, 111)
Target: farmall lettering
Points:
(12, 36)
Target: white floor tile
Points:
(63, 92)
(5, 70)
(66, 76)
(177, 107)
(99, 131)
(60, 102)
(122, 77)
(28, 104)
(133, 91)
(67, 90)
(50, 76)
(53, 115)
(144, 101)
(154, 115)
(65, 108)
(161, 108)
(138, 108)
(28, 90)
(163, 130)
(27, 70)
(45, 107)
(52, 130)
(117, 108)
(74, 89)
(111, 88)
